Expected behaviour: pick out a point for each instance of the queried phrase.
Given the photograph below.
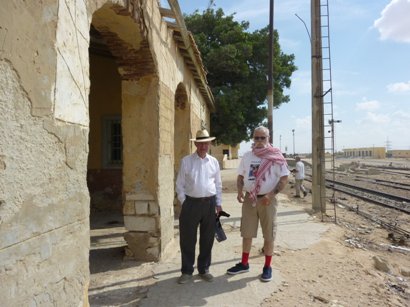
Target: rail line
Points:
(380, 198)
(386, 183)
(394, 202)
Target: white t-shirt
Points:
(300, 167)
(248, 167)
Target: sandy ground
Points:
(338, 271)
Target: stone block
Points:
(142, 246)
(141, 208)
(153, 252)
(129, 208)
(140, 223)
(139, 196)
(153, 208)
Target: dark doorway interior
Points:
(104, 175)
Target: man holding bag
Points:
(199, 190)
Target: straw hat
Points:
(203, 136)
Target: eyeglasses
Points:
(259, 138)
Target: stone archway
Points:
(126, 41)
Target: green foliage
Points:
(236, 61)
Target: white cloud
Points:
(305, 122)
(301, 82)
(399, 87)
(401, 122)
(379, 119)
(368, 105)
(402, 116)
(394, 22)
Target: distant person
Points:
(199, 190)
(299, 172)
(258, 197)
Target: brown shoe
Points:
(207, 277)
(184, 278)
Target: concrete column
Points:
(318, 159)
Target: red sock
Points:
(268, 260)
(245, 258)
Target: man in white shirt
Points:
(299, 172)
(199, 190)
(262, 174)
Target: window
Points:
(112, 142)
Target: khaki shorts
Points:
(252, 215)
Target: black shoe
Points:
(184, 278)
(296, 196)
(266, 274)
(238, 268)
(304, 193)
(207, 277)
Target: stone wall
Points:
(44, 131)
(44, 225)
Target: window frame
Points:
(107, 142)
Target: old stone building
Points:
(98, 101)
(365, 152)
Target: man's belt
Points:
(257, 196)
(208, 198)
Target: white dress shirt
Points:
(199, 177)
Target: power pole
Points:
(318, 155)
(270, 74)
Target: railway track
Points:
(380, 198)
(386, 183)
(380, 192)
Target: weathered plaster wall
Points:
(29, 50)
(72, 40)
(44, 86)
(44, 227)
(140, 168)
(44, 221)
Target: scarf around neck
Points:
(269, 155)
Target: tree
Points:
(236, 61)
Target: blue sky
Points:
(370, 48)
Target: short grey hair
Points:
(262, 129)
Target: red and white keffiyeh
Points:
(269, 156)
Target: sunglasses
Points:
(259, 138)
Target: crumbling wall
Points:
(44, 202)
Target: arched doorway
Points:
(133, 125)
(123, 75)
(105, 159)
